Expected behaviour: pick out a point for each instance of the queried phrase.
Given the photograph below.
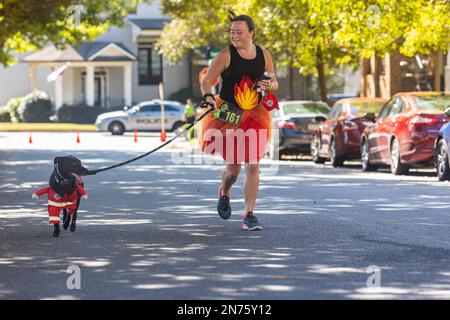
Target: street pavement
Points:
(150, 230)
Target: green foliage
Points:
(430, 30)
(12, 106)
(35, 107)
(194, 24)
(298, 32)
(31, 24)
(4, 114)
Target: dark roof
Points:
(82, 52)
(150, 24)
(88, 49)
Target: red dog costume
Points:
(56, 202)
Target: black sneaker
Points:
(223, 206)
(66, 219)
(73, 225)
(56, 230)
(251, 223)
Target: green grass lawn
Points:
(8, 126)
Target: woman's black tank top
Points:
(238, 69)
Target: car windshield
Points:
(432, 103)
(363, 107)
(133, 109)
(306, 107)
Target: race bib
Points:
(229, 113)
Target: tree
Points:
(298, 33)
(303, 32)
(193, 24)
(30, 25)
(313, 35)
(375, 28)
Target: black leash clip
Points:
(207, 104)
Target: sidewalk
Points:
(8, 126)
(99, 141)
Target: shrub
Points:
(182, 95)
(4, 114)
(35, 107)
(78, 114)
(12, 105)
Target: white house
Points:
(119, 67)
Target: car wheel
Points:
(397, 167)
(442, 166)
(117, 128)
(315, 150)
(335, 160)
(365, 161)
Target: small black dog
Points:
(64, 192)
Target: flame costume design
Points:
(245, 96)
(234, 145)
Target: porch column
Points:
(127, 84)
(32, 75)
(89, 86)
(59, 92)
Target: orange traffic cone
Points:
(30, 139)
(78, 137)
(163, 136)
(135, 136)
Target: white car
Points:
(146, 116)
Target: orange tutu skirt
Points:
(236, 144)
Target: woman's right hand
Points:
(209, 101)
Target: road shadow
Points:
(150, 231)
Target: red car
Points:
(405, 131)
(339, 137)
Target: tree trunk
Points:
(377, 64)
(364, 67)
(291, 83)
(437, 70)
(322, 78)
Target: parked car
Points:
(295, 122)
(441, 153)
(338, 138)
(334, 97)
(145, 116)
(405, 131)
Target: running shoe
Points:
(251, 223)
(223, 206)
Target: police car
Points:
(146, 116)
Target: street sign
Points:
(214, 53)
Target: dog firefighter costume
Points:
(56, 203)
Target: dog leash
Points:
(203, 105)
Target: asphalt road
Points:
(150, 230)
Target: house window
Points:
(149, 65)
